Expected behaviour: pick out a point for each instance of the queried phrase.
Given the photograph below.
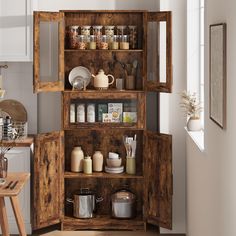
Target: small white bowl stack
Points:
(114, 164)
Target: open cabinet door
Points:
(48, 185)
(158, 180)
(159, 52)
(48, 51)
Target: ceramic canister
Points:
(97, 161)
(77, 157)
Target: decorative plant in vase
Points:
(192, 109)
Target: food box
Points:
(116, 110)
(130, 117)
(106, 117)
(102, 108)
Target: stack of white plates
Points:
(114, 170)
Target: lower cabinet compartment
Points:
(103, 210)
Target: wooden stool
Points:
(13, 195)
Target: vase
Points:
(3, 169)
(77, 157)
(194, 124)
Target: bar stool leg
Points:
(19, 219)
(3, 218)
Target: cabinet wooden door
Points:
(159, 52)
(158, 179)
(48, 179)
(15, 30)
(48, 51)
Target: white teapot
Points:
(101, 81)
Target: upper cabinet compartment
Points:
(159, 52)
(48, 52)
(15, 30)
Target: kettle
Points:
(101, 81)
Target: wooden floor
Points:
(106, 233)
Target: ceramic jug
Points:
(101, 81)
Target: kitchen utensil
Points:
(101, 81)
(14, 109)
(114, 170)
(84, 203)
(123, 204)
(114, 162)
(79, 75)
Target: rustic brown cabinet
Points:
(53, 180)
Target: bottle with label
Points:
(77, 157)
(72, 113)
(80, 113)
(91, 113)
(87, 165)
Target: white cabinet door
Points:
(19, 161)
(16, 30)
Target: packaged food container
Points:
(82, 41)
(91, 113)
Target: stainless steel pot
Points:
(84, 203)
(123, 204)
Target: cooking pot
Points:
(84, 203)
(123, 204)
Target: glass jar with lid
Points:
(92, 42)
(97, 31)
(82, 41)
(133, 36)
(124, 42)
(104, 42)
(85, 30)
(114, 44)
(121, 29)
(72, 35)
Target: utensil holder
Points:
(130, 82)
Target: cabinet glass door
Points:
(159, 52)
(48, 52)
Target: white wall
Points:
(175, 123)
(211, 192)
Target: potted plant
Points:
(192, 109)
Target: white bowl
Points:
(114, 162)
(113, 155)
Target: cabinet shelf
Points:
(102, 222)
(101, 50)
(72, 175)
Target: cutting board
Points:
(14, 109)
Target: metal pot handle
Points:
(99, 199)
(70, 200)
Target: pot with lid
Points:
(84, 203)
(123, 204)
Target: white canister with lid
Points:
(77, 156)
(91, 113)
(97, 161)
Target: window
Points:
(195, 49)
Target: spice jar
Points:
(97, 31)
(121, 29)
(87, 165)
(77, 157)
(124, 42)
(97, 161)
(82, 42)
(92, 42)
(114, 44)
(133, 36)
(73, 34)
(104, 42)
(85, 30)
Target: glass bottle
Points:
(87, 165)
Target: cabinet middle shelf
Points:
(73, 175)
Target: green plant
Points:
(190, 105)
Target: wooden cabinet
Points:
(152, 183)
(16, 30)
